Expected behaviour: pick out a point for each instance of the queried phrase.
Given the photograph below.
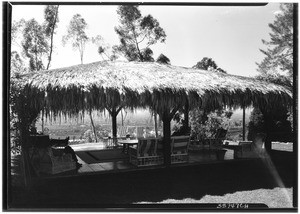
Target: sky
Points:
(231, 36)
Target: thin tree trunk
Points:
(93, 126)
(81, 54)
(52, 34)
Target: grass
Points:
(190, 184)
(273, 198)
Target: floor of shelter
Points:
(195, 157)
(111, 166)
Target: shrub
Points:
(276, 122)
(204, 125)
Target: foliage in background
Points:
(278, 125)
(279, 54)
(35, 44)
(104, 49)
(17, 65)
(163, 59)
(23, 112)
(206, 124)
(256, 123)
(16, 31)
(76, 34)
(209, 65)
(101, 132)
(137, 34)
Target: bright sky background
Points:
(231, 36)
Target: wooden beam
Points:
(166, 118)
(244, 123)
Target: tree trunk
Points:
(167, 139)
(81, 58)
(51, 39)
(93, 125)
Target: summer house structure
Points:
(163, 88)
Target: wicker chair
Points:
(145, 154)
(51, 164)
(122, 131)
(46, 155)
(179, 149)
(140, 132)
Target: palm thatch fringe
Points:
(99, 85)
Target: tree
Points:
(76, 34)
(276, 67)
(104, 49)
(205, 64)
(163, 59)
(51, 20)
(209, 65)
(279, 54)
(17, 29)
(137, 33)
(16, 64)
(204, 124)
(35, 45)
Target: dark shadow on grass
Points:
(122, 189)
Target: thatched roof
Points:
(148, 83)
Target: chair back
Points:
(39, 141)
(147, 147)
(180, 144)
(140, 132)
(122, 131)
(59, 142)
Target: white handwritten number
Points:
(232, 206)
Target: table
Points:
(127, 143)
(236, 146)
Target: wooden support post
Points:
(244, 123)
(167, 117)
(114, 113)
(155, 124)
(114, 123)
(186, 115)
(268, 122)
